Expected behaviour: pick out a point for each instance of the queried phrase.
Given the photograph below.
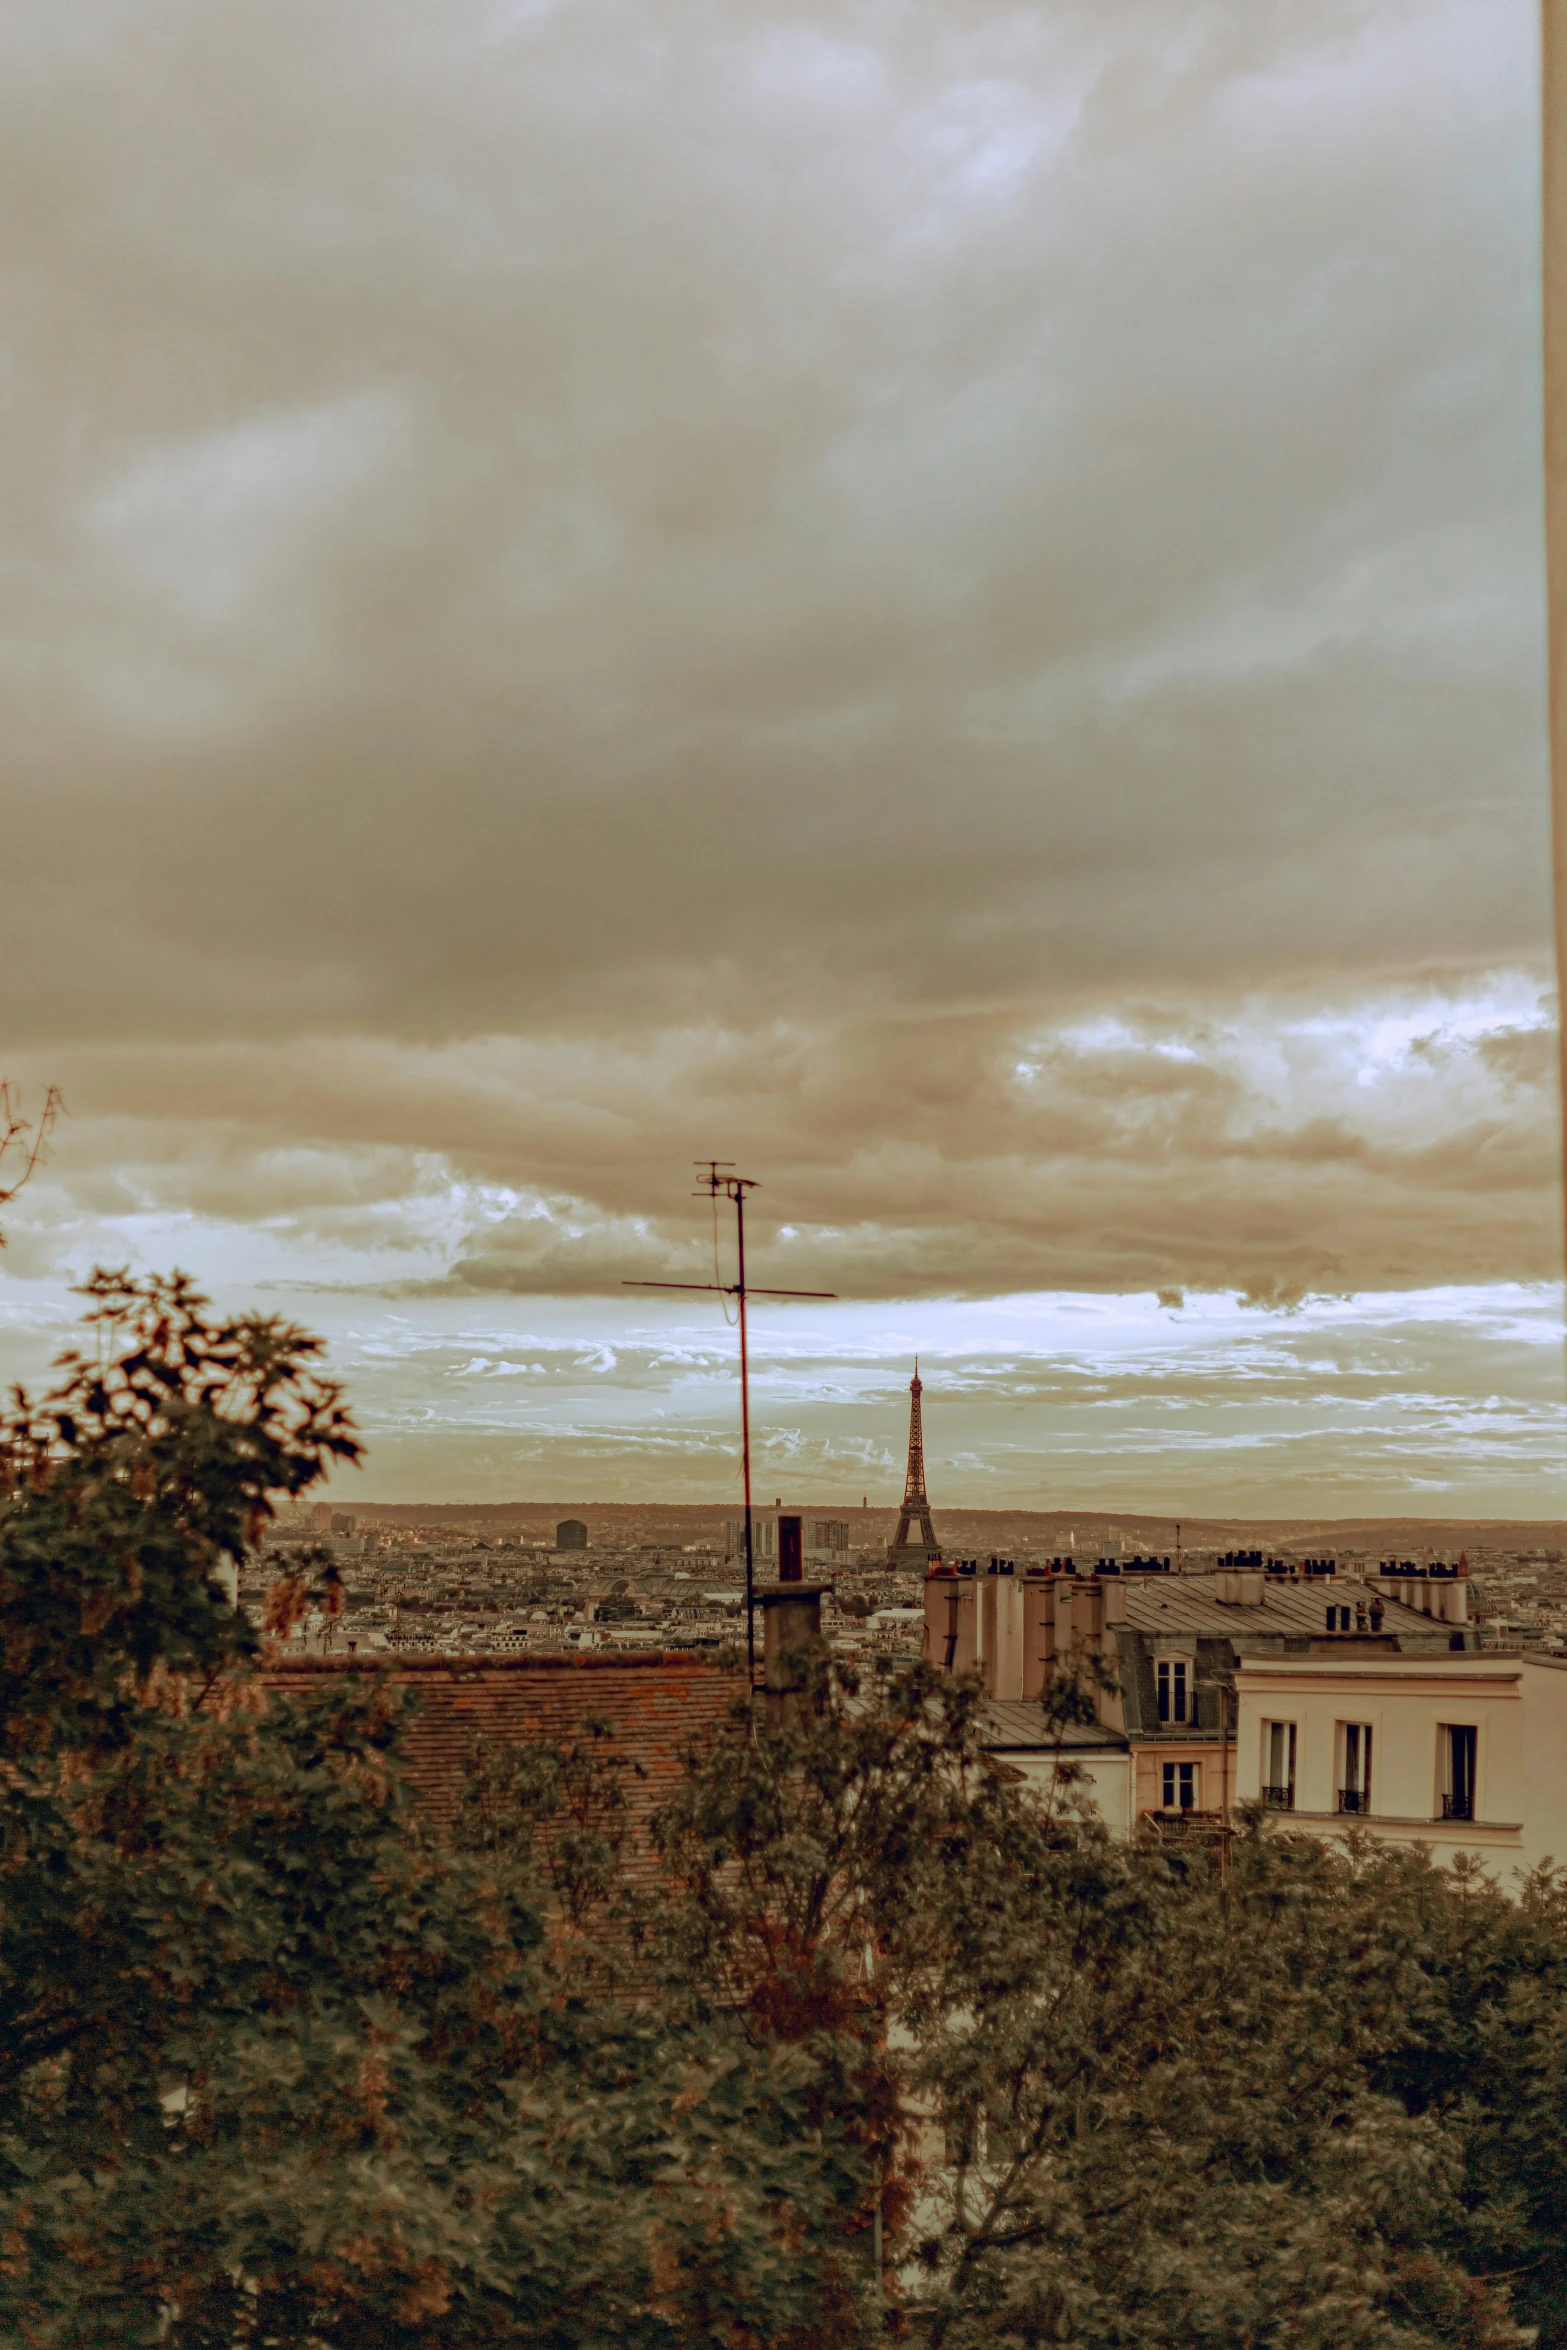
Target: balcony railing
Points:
(1279, 1798)
(1458, 1807)
(1354, 1799)
(1201, 1827)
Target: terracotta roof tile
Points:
(658, 1704)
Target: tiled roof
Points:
(658, 1705)
(1289, 1608)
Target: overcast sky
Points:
(941, 602)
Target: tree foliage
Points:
(321, 2074)
(281, 2060)
(888, 2045)
(1137, 2097)
(159, 1454)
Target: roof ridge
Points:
(634, 1660)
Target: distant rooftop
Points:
(1289, 1608)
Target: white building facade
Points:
(1456, 1753)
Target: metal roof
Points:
(1289, 1608)
(1012, 1723)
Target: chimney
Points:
(1088, 1614)
(1002, 1617)
(1039, 1634)
(943, 1608)
(792, 1642)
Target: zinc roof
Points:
(1289, 1608)
(1012, 1724)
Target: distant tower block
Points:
(915, 1504)
(571, 1534)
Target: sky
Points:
(943, 604)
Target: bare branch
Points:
(21, 1139)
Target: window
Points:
(1338, 1619)
(1172, 1689)
(1354, 1785)
(1180, 1786)
(1278, 1765)
(1459, 1742)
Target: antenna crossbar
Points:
(728, 1289)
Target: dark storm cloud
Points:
(584, 587)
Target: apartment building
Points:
(1456, 1753)
(1349, 1701)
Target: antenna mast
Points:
(717, 1180)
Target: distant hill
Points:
(614, 1523)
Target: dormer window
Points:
(1173, 1706)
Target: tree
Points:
(22, 1140)
(285, 2061)
(1481, 2052)
(159, 1454)
(280, 2060)
(1113, 2095)
(323, 2074)
(1164, 2120)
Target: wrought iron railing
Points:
(1279, 1798)
(1354, 1799)
(1200, 1826)
(1458, 1807)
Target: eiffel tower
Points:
(915, 1504)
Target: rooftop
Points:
(658, 1706)
(1289, 1609)
(1472, 1664)
(1016, 1725)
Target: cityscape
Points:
(503, 1580)
(1456, 1656)
(783, 1440)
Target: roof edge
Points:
(636, 1660)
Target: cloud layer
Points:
(1278, 1147)
(944, 603)
(1434, 1403)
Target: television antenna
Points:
(717, 1180)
